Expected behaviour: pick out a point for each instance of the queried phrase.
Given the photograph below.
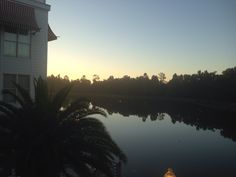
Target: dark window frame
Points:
(13, 88)
(18, 32)
(8, 98)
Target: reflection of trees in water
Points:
(153, 117)
(157, 116)
(190, 114)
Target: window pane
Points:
(8, 98)
(10, 36)
(10, 48)
(24, 81)
(24, 38)
(8, 81)
(23, 50)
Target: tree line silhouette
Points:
(201, 85)
(154, 110)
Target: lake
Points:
(195, 142)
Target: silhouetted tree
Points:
(41, 137)
(162, 77)
(66, 77)
(201, 85)
(155, 78)
(96, 78)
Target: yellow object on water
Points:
(169, 173)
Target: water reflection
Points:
(190, 114)
(156, 136)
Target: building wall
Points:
(36, 65)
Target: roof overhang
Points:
(51, 35)
(16, 15)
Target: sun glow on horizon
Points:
(135, 37)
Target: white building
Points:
(24, 36)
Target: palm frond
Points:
(9, 110)
(17, 98)
(72, 108)
(92, 111)
(42, 98)
(60, 97)
(98, 163)
(44, 139)
(26, 98)
(92, 131)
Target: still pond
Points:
(189, 143)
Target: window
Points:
(17, 43)
(8, 83)
(10, 43)
(24, 81)
(23, 44)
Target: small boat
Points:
(169, 173)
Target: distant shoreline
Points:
(217, 105)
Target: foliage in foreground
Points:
(40, 139)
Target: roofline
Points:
(33, 3)
(51, 35)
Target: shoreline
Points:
(205, 103)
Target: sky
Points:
(132, 37)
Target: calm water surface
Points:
(154, 144)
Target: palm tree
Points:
(41, 138)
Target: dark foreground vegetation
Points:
(45, 138)
(200, 86)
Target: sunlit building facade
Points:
(24, 36)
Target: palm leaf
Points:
(60, 97)
(42, 98)
(9, 110)
(45, 140)
(24, 94)
(81, 103)
(17, 98)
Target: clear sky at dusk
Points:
(131, 37)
